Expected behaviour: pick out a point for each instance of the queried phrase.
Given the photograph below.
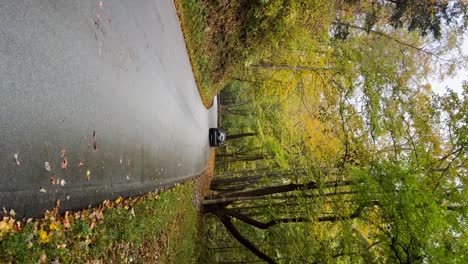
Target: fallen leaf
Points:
(49, 215)
(12, 212)
(95, 146)
(63, 152)
(92, 216)
(64, 163)
(88, 175)
(18, 226)
(80, 163)
(66, 221)
(47, 166)
(97, 20)
(5, 226)
(15, 157)
(42, 190)
(118, 200)
(43, 259)
(54, 180)
(62, 182)
(56, 209)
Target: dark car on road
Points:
(217, 137)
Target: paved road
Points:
(105, 92)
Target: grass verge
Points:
(212, 33)
(159, 227)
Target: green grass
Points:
(212, 44)
(151, 229)
(192, 18)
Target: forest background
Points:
(339, 150)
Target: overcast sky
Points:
(455, 83)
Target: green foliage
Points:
(354, 108)
(122, 235)
(425, 16)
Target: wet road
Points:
(98, 98)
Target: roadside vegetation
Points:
(159, 227)
(342, 153)
(348, 156)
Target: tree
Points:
(365, 164)
(425, 16)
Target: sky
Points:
(455, 83)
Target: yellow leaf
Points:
(118, 200)
(43, 236)
(53, 226)
(4, 228)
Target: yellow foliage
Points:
(44, 237)
(53, 226)
(321, 140)
(118, 200)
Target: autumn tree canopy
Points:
(354, 158)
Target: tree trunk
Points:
(261, 225)
(241, 135)
(228, 111)
(382, 34)
(238, 152)
(226, 221)
(250, 179)
(251, 158)
(288, 67)
(233, 105)
(288, 188)
(263, 193)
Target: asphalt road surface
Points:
(96, 101)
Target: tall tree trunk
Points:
(233, 105)
(263, 193)
(241, 135)
(228, 111)
(271, 223)
(228, 181)
(226, 221)
(288, 188)
(238, 152)
(382, 34)
(288, 67)
(252, 158)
